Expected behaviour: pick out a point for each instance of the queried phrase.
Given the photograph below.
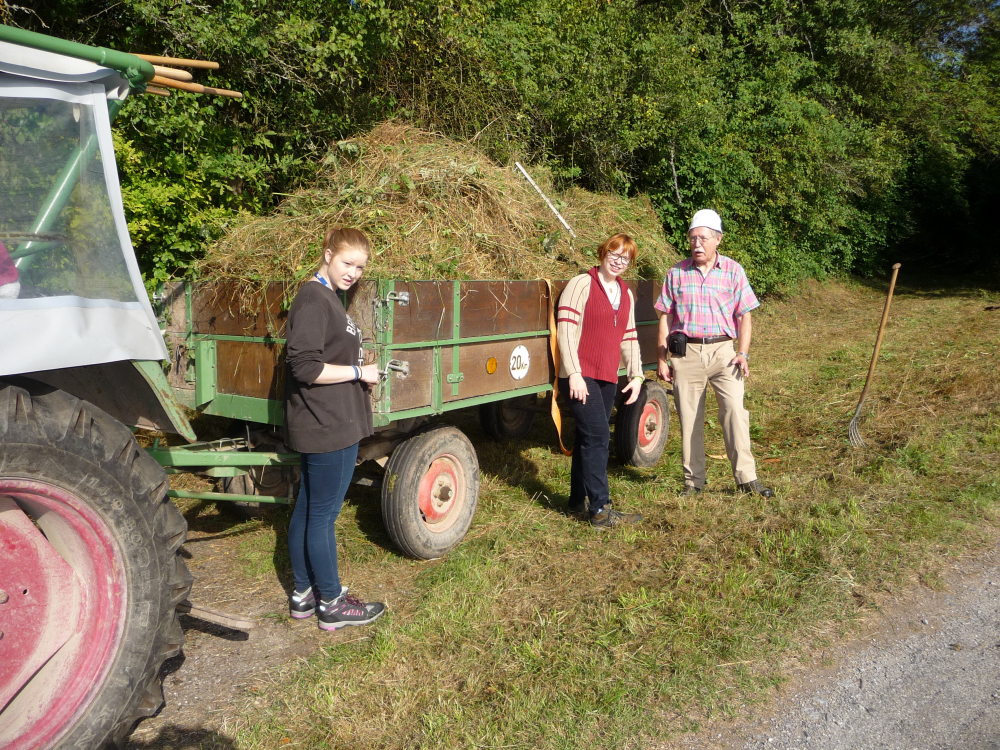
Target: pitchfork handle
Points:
(878, 339)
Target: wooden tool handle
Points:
(194, 88)
(881, 330)
(177, 75)
(156, 60)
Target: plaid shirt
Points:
(709, 305)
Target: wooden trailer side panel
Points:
(491, 308)
(250, 368)
(429, 315)
(415, 390)
(486, 367)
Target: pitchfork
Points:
(852, 431)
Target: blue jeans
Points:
(312, 541)
(589, 467)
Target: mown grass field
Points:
(539, 632)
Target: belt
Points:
(712, 340)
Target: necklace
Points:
(614, 293)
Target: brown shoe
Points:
(690, 489)
(607, 518)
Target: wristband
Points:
(357, 372)
(639, 377)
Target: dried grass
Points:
(435, 208)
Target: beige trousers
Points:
(709, 364)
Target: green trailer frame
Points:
(440, 346)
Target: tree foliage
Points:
(831, 135)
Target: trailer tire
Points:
(500, 421)
(641, 428)
(96, 543)
(259, 480)
(430, 492)
(278, 481)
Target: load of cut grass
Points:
(435, 208)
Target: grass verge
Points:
(539, 632)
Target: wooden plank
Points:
(428, 316)
(647, 344)
(478, 381)
(414, 390)
(221, 309)
(248, 368)
(360, 308)
(489, 308)
(646, 293)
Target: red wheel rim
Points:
(65, 610)
(442, 493)
(649, 426)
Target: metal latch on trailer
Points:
(396, 365)
(400, 298)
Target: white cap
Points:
(706, 217)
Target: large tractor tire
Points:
(502, 420)
(90, 576)
(430, 492)
(641, 427)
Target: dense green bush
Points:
(832, 135)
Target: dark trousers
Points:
(589, 469)
(312, 541)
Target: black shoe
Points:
(577, 511)
(302, 605)
(348, 610)
(607, 518)
(756, 486)
(690, 489)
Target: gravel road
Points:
(925, 677)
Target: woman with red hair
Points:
(595, 327)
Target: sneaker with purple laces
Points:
(347, 610)
(302, 604)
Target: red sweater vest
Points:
(602, 332)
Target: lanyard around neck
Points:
(321, 280)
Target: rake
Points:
(852, 432)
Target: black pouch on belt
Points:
(677, 343)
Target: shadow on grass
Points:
(173, 737)
(927, 284)
(509, 462)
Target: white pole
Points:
(558, 215)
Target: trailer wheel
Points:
(641, 428)
(430, 492)
(502, 421)
(91, 573)
(259, 480)
(276, 481)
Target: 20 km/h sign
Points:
(519, 362)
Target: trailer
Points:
(440, 346)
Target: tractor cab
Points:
(70, 289)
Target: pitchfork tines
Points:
(852, 431)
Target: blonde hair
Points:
(340, 239)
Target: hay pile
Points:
(435, 208)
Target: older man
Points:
(707, 299)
